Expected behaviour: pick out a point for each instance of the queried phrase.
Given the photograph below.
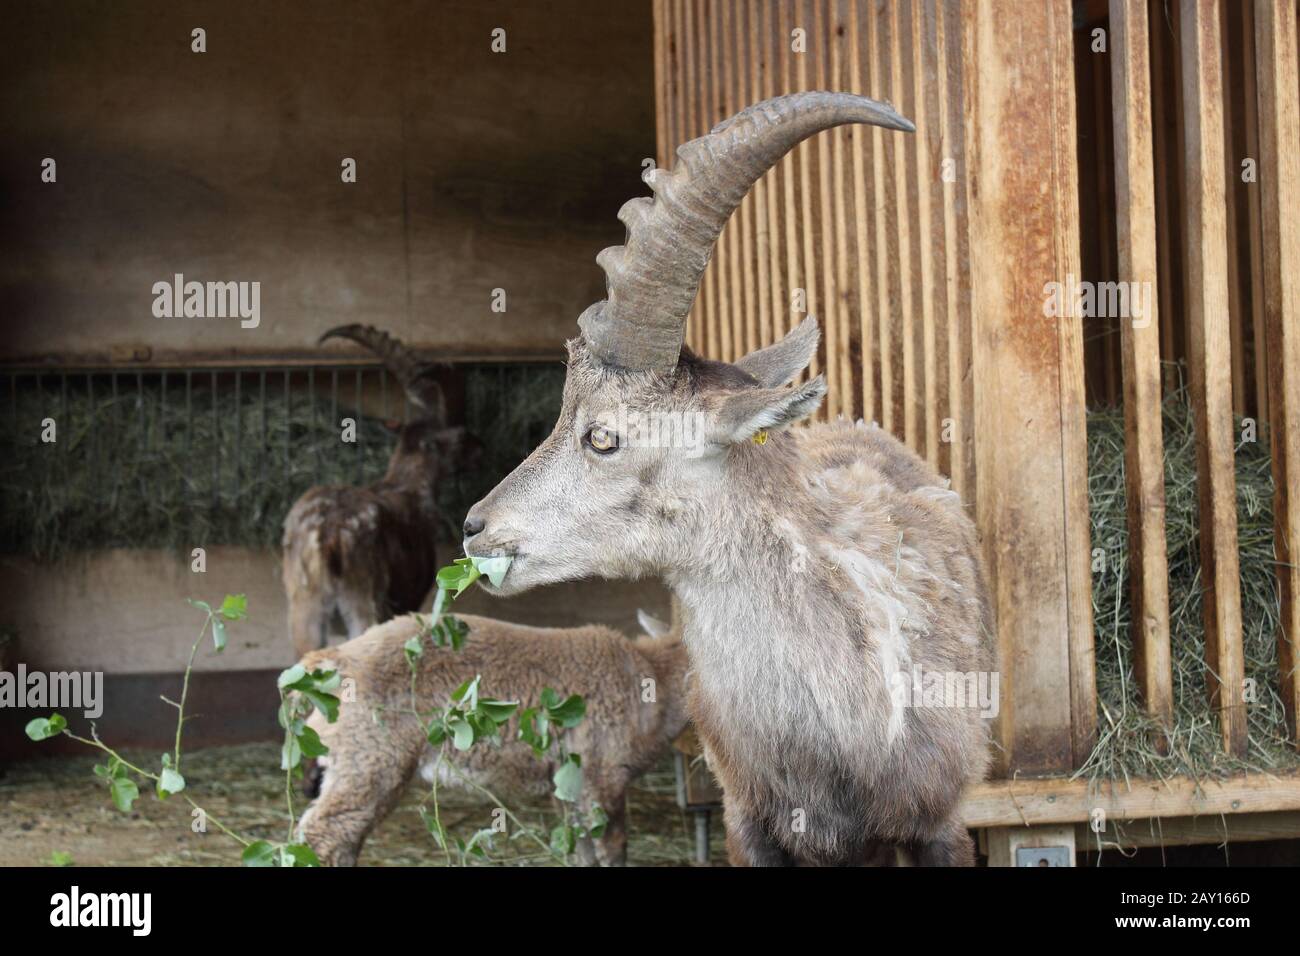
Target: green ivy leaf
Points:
(169, 782)
(124, 793)
(568, 780)
(234, 607)
(568, 712)
(61, 858)
(498, 711)
(299, 854)
(291, 676)
(462, 734)
(414, 650)
(564, 840)
(493, 568)
(312, 745)
(43, 728)
(260, 853)
(597, 821)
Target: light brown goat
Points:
(377, 745)
(369, 553)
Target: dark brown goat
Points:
(369, 553)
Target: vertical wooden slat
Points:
(961, 378)
(1253, 220)
(805, 160)
(1135, 199)
(1166, 252)
(789, 183)
(737, 47)
(891, 377)
(862, 143)
(1236, 321)
(1210, 357)
(904, 184)
(931, 149)
(690, 107)
(711, 341)
(1279, 125)
(661, 80)
(771, 33)
(927, 396)
(1029, 407)
(717, 111)
(826, 144)
(762, 237)
(728, 248)
(838, 205)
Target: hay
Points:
(1126, 736)
(138, 470)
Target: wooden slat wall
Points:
(856, 226)
(870, 231)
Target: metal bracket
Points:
(1043, 856)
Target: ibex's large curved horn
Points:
(411, 372)
(653, 277)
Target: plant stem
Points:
(185, 689)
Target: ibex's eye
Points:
(601, 440)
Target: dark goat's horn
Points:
(413, 374)
(653, 277)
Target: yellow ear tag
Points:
(760, 438)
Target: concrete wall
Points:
(476, 170)
(125, 611)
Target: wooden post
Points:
(1030, 446)
(1210, 358)
(1279, 121)
(1135, 199)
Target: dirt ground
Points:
(58, 805)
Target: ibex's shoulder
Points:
(842, 445)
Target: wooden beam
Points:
(1210, 358)
(1189, 831)
(1037, 801)
(1029, 410)
(1144, 474)
(1279, 121)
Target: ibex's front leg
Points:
(749, 841)
(950, 845)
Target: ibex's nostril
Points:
(473, 526)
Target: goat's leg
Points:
(611, 847)
(749, 841)
(360, 612)
(355, 795)
(949, 845)
(306, 624)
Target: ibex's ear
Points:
(782, 361)
(742, 415)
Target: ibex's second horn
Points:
(653, 277)
(410, 371)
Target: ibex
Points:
(374, 753)
(369, 553)
(817, 569)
